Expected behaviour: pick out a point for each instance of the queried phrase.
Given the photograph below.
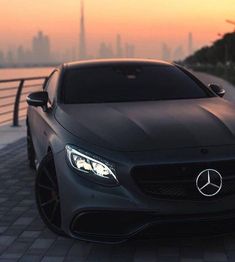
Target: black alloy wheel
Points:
(47, 195)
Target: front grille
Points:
(178, 181)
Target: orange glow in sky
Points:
(146, 23)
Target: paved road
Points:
(9, 134)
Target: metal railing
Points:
(13, 93)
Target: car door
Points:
(42, 120)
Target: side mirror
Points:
(38, 99)
(218, 90)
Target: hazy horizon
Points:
(147, 24)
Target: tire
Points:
(47, 195)
(30, 150)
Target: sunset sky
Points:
(146, 23)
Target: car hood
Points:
(138, 126)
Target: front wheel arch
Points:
(47, 191)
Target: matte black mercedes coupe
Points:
(128, 148)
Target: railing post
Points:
(17, 104)
(44, 83)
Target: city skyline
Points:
(146, 23)
(83, 46)
(40, 51)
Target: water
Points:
(9, 73)
(6, 102)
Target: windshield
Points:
(129, 83)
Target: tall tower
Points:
(166, 52)
(119, 52)
(190, 43)
(82, 37)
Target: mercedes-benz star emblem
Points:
(209, 182)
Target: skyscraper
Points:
(105, 50)
(190, 43)
(82, 37)
(2, 58)
(178, 53)
(166, 52)
(129, 50)
(41, 48)
(119, 50)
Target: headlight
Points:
(90, 166)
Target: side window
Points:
(51, 86)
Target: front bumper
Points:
(118, 226)
(114, 214)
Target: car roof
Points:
(112, 62)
